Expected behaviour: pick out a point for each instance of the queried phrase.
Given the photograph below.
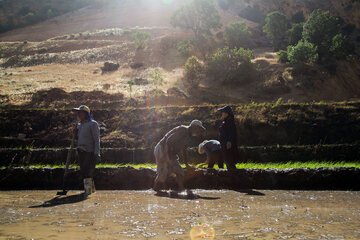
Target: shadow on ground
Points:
(59, 200)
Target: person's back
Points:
(212, 148)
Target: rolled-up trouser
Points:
(87, 163)
(165, 165)
(215, 157)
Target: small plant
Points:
(192, 70)
(141, 39)
(131, 83)
(277, 103)
(25, 42)
(157, 78)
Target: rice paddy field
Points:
(250, 165)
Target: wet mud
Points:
(128, 178)
(255, 214)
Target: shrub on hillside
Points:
(275, 28)
(295, 33)
(193, 70)
(341, 48)
(320, 29)
(283, 56)
(185, 48)
(303, 52)
(237, 34)
(230, 65)
(141, 39)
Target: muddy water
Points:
(143, 215)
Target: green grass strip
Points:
(312, 164)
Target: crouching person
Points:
(88, 146)
(172, 148)
(212, 148)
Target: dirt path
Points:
(142, 215)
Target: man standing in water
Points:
(88, 146)
(228, 137)
(171, 148)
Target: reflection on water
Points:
(146, 215)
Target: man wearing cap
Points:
(170, 149)
(228, 137)
(88, 146)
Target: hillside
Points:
(67, 52)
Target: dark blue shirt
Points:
(211, 146)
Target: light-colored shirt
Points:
(89, 137)
(211, 146)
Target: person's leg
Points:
(231, 158)
(219, 159)
(92, 165)
(82, 164)
(85, 159)
(228, 157)
(211, 160)
(162, 168)
(179, 171)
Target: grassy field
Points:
(312, 164)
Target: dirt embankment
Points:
(136, 179)
(257, 124)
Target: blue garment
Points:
(211, 146)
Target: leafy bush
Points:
(303, 52)
(229, 65)
(320, 29)
(141, 39)
(283, 56)
(295, 33)
(237, 34)
(275, 28)
(185, 48)
(341, 48)
(193, 70)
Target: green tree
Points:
(341, 47)
(237, 34)
(141, 39)
(198, 16)
(303, 52)
(275, 28)
(320, 29)
(192, 70)
(229, 65)
(295, 33)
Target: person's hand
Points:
(228, 145)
